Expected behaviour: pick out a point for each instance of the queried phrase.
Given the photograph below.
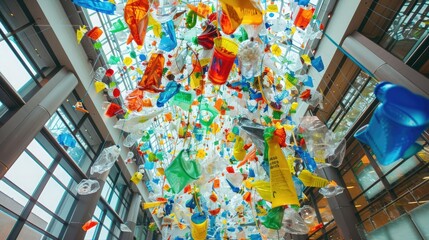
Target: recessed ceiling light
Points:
(358, 205)
(350, 187)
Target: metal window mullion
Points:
(32, 201)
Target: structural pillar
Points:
(23, 126)
(84, 210)
(132, 216)
(342, 207)
(384, 65)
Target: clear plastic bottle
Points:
(99, 74)
(132, 138)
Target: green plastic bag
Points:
(181, 172)
(274, 218)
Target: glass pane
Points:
(40, 153)
(114, 201)
(52, 195)
(45, 221)
(3, 29)
(400, 171)
(13, 70)
(107, 222)
(366, 178)
(21, 171)
(3, 109)
(90, 233)
(56, 125)
(104, 233)
(97, 213)
(11, 199)
(6, 224)
(28, 232)
(90, 134)
(63, 176)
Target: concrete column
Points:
(22, 127)
(342, 207)
(133, 213)
(384, 65)
(84, 210)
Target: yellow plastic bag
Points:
(264, 189)
(239, 152)
(282, 186)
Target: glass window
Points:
(52, 195)
(7, 223)
(13, 70)
(45, 220)
(3, 109)
(42, 155)
(11, 199)
(20, 173)
(366, 178)
(403, 168)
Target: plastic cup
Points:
(223, 60)
(396, 124)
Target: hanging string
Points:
(93, 79)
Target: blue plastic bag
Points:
(97, 5)
(168, 40)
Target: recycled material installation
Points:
(224, 78)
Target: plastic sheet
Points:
(182, 171)
(106, 160)
(293, 222)
(97, 5)
(87, 186)
(66, 140)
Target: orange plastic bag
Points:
(151, 80)
(236, 12)
(135, 100)
(89, 224)
(136, 16)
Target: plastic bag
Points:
(250, 56)
(274, 218)
(308, 214)
(164, 10)
(87, 186)
(181, 172)
(151, 79)
(66, 140)
(331, 190)
(171, 89)
(136, 16)
(294, 223)
(282, 186)
(106, 160)
(168, 40)
(97, 5)
(256, 132)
